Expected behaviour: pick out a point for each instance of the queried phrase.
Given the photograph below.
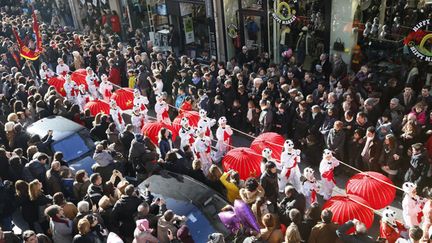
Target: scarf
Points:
(60, 220)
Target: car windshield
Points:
(72, 147)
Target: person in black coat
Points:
(360, 235)
(95, 190)
(126, 138)
(21, 138)
(124, 210)
(197, 172)
(98, 132)
(269, 181)
(419, 167)
(292, 199)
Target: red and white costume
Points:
(140, 102)
(105, 88)
(45, 73)
(290, 172)
(116, 115)
(390, 229)
(326, 169)
(92, 80)
(83, 97)
(71, 89)
(186, 133)
(161, 109)
(223, 136)
(412, 205)
(266, 157)
(137, 120)
(206, 123)
(310, 187)
(62, 69)
(202, 149)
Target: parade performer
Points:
(412, 205)
(223, 135)
(70, 87)
(116, 116)
(206, 123)
(266, 157)
(141, 102)
(290, 173)
(202, 149)
(327, 166)
(137, 119)
(390, 229)
(105, 88)
(161, 109)
(186, 133)
(92, 80)
(310, 186)
(83, 97)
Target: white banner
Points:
(189, 30)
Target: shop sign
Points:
(189, 30)
(285, 12)
(419, 41)
(232, 31)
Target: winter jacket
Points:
(336, 142)
(61, 232)
(269, 182)
(80, 189)
(297, 201)
(323, 233)
(95, 193)
(54, 181)
(122, 214)
(232, 189)
(103, 158)
(355, 238)
(418, 170)
(163, 226)
(35, 170)
(250, 197)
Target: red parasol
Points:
(193, 117)
(124, 98)
(350, 207)
(270, 140)
(151, 130)
(79, 76)
(377, 193)
(58, 84)
(243, 160)
(97, 106)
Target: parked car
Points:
(190, 198)
(69, 137)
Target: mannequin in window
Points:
(252, 28)
(302, 47)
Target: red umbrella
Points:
(97, 106)
(58, 83)
(377, 193)
(350, 207)
(79, 76)
(270, 140)
(243, 160)
(193, 117)
(151, 130)
(124, 98)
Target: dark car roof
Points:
(62, 127)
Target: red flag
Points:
(26, 52)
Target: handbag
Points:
(338, 45)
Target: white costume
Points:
(83, 97)
(310, 186)
(206, 123)
(116, 115)
(161, 109)
(223, 135)
(70, 87)
(105, 88)
(267, 156)
(140, 102)
(411, 205)
(45, 73)
(62, 69)
(186, 133)
(137, 120)
(327, 165)
(91, 80)
(290, 173)
(202, 148)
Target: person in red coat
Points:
(390, 229)
(186, 106)
(115, 22)
(114, 75)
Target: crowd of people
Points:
(328, 115)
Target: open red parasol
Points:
(270, 140)
(79, 77)
(243, 160)
(124, 98)
(151, 130)
(58, 84)
(350, 207)
(193, 117)
(97, 106)
(377, 193)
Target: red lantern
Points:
(79, 77)
(377, 193)
(97, 106)
(58, 84)
(152, 129)
(349, 207)
(193, 117)
(243, 160)
(124, 98)
(270, 140)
